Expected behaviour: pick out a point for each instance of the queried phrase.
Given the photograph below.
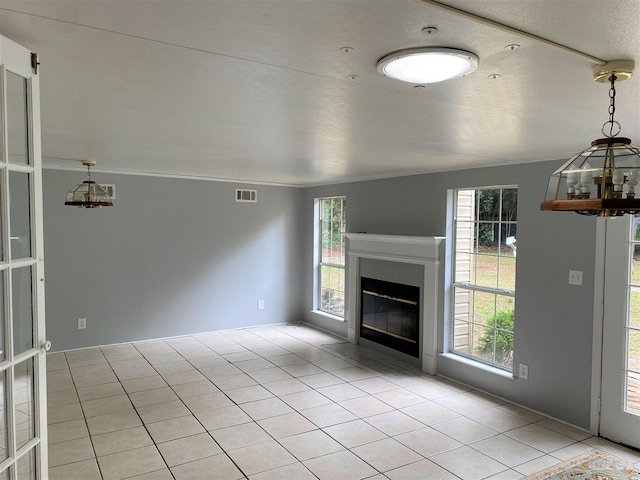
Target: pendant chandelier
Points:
(88, 194)
(600, 180)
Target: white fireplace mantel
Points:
(404, 249)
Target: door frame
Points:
(598, 325)
(17, 59)
(606, 232)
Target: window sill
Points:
(328, 315)
(478, 365)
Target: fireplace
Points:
(422, 254)
(390, 315)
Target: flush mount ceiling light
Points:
(427, 64)
(88, 194)
(610, 164)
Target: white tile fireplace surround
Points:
(414, 250)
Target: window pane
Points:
(4, 439)
(20, 216)
(22, 310)
(17, 116)
(635, 265)
(507, 279)
(487, 236)
(23, 397)
(465, 268)
(2, 325)
(634, 308)
(495, 335)
(484, 307)
(483, 325)
(509, 205)
(487, 270)
(2, 232)
(634, 350)
(27, 466)
(332, 289)
(465, 236)
(488, 204)
(633, 392)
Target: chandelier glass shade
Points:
(88, 194)
(602, 179)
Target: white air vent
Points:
(110, 188)
(250, 196)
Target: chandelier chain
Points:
(612, 96)
(612, 110)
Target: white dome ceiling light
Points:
(428, 64)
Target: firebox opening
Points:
(390, 315)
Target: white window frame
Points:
(318, 262)
(450, 343)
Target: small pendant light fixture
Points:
(611, 166)
(88, 194)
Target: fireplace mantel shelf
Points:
(401, 248)
(410, 239)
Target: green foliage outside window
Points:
(494, 206)
(498, 332)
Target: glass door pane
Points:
(2, 228)
(23, 397)
(17, 119)
(4, 436)
(21, 282)
(20, 215)
(3, 347)
(27, 466)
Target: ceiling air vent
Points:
(110, 188)
(250, 196)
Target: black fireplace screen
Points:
(390, 314)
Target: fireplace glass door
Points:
(390, 315)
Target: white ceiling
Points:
(256, 90)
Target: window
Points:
(330, 254)
(484, 274)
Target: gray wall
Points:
(554, 320)
(171, 257)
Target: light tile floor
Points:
(284, 402)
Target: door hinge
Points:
(35, 63)
(600, 405)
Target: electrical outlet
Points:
(260, 304)
(575, 277)
(82, 323)
(524, 372)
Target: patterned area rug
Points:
(593, 465)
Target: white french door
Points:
(23, 433)
(620, 391)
